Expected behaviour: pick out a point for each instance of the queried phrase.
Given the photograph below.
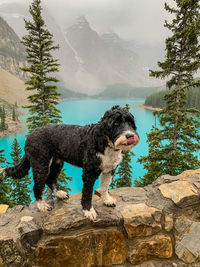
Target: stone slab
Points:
(159, 246)
(92, 248)
(181, 193)
(141, 220)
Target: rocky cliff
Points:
(12, 52)
(158, 225)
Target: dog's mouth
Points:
(131, 141)
(126, 143)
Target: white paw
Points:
(109, 201)
(60, 194)
(43, 206)
(2, 171)
(90, 214)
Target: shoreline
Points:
(13, 128)
(149, 107)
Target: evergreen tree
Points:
(3, 125)
(39, 45)
(123, 175)
(174, 147)
(41, 66)
(20, 187)
(5, 185)
(14, 117)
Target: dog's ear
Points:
(100, 137)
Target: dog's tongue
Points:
(131, 141)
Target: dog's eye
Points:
(117, 123)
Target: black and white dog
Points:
(97, 148)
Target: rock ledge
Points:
(158, 225)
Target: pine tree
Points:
(41, 65)
(123, 175)
(20, 192)
(5, 185)
(174, 147)
(3, 125)
(39, 45)
(14, 117)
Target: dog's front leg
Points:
(86, 201)
(108, 200)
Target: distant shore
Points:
(13, 128)
(150, 107)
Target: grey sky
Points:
(139, 20)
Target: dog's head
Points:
(120, 129)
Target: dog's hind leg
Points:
(40, 174)
(55, 168)
(108, 200)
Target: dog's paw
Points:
(109, 201)
(43, 206)
(61, 194)
(90, 214)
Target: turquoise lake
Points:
(88, 111)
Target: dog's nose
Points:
(129, 136)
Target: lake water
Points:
(88, 111)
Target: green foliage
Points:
(126, 90)
(156, 100)
(63, 181)
(3, 125)
(5, 184)
(173, 148)
(41, 66)
(123, 175)
(20, 187)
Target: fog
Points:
(138, 20)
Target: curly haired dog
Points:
(97, 148)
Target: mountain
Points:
(105, 57)
(89, 61)
(12, 53)
(12, 57)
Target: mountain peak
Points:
(82, 22)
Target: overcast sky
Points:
(140, 20)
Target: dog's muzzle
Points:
(127, 140)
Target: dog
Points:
(96, 148)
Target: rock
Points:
(129, 194)
(4, 219)
(181, 193)
(92, 248)
(159, 246)
(190, 173)
(169, 222)
(187, 246)
(141, 220)
(3, 209)
(15, 209)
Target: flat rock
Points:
(130, 194)
(182, 193)
(93, 248)
(159, 246)
(141, 220)
(187, 246)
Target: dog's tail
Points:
(18, 171)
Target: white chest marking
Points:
(110, 159)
